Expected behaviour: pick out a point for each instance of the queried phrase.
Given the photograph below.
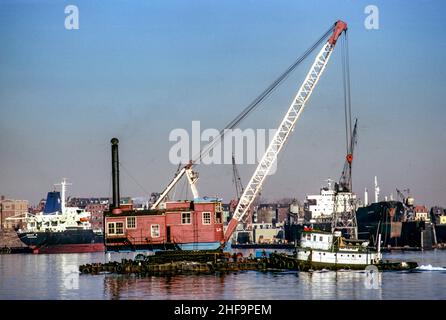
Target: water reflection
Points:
(340, 285)
(245, 285)
(53, 277)
(164, 287)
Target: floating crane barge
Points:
(166, 263)
(197, 224)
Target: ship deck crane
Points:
(401, 196)
(285, 128)
(344, 211)
(236, 179)
(345, 182)
(239, 191)
(406, 200)
(192, 178)
(408, 203)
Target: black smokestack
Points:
(115, 172)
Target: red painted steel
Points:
(71, 248)
(340, 26)
(195, 229)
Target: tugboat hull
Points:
(284, 261)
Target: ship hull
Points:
(387, 218)
(440, 233)
(284, 261)
(70, 241)
(320, 259)
(70, 248)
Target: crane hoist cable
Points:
(260, 98)
(350, 133)
(236, 180)
(349, 100)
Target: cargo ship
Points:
(402, 224)
(60, 229)
(168, 225)
(438, 217)
(398, 224)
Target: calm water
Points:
(25, 276)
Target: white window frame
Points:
(190, 218)
(127, 222)
(152, 233)
(203, 219)
(115, 229)
(111, 224)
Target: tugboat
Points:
(320, 250)
(339, 248)
(61, 229)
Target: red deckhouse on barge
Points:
(189, 224)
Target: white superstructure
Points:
(376, 190)
(65, 219)
(330, 249)
(329, 201)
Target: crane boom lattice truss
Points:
(285, 128)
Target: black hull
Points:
(440, 232)
(387, 218)
(290, 262)
(69, 237)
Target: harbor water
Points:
(56, 276)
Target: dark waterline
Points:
(54, 277)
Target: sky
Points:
(137, 70)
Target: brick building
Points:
(97, 214)
(266, 213)
(421, 213)
(282, 212)
(12, 208)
